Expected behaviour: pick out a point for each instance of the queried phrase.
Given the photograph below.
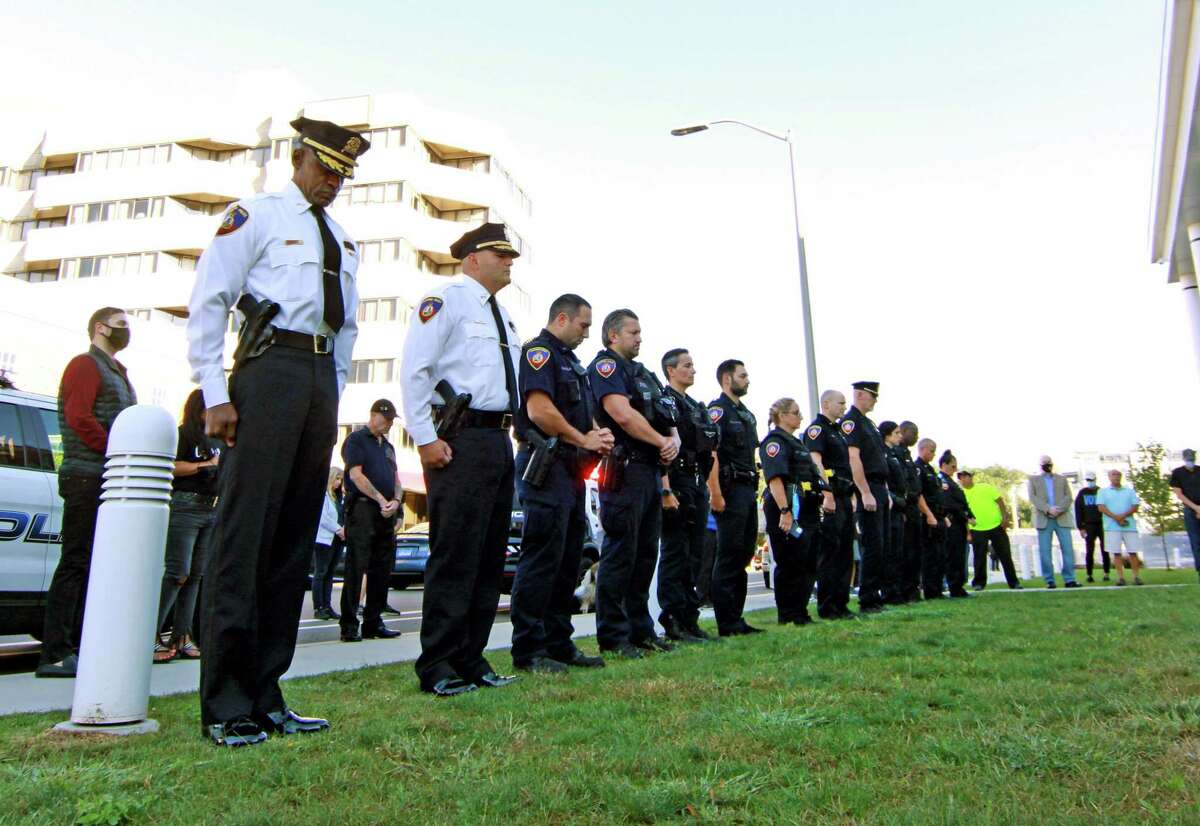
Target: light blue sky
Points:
(974, 179)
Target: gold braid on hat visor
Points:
(500, 246)
(331, 158)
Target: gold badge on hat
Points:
(353, 145)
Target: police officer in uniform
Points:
(556, 404)
(933, 531)
(734, 492)
(685, 505)
(835, 557)
(868, 465)
(278, 419)
(461, 343)
(631, 403)
(959, 516)
(793, 479)
(914, 515)
(898, 491)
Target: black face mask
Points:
(1048, 467)
(118, 337)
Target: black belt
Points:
(487, 419)
(879, 480)
(206, 499)
(743, 476)
(644, 458)
(309, 342)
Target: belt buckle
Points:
(322, 345)
(506, 421)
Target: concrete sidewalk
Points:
(25, 693)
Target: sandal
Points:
(164, 653)
(188, 650)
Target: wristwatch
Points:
(668, 492)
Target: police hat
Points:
(869, 386)
(487, 237)
(384, 407)
(337, 148)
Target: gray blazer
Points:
(1041, 505)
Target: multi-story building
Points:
(88, 224)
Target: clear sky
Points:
(974, 179)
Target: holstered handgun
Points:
(612, 469)
(452, 417)
(541, 459)
(256, 334)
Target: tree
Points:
(1159, 507)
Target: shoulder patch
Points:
(848, 426)
(814, 431)
(233, 221)
(537, 357)
(429, 307)
(772, 448)
(606, 367)
(715, 414)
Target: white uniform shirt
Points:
(458, 342)
(274, 254)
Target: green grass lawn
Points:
(1069, 707)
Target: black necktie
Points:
(331, 271)
(510, 380)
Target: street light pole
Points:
(810, 355)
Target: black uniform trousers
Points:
(269, 505)
(795, 564)
(543, 592)
(470, 513)
(956, 556)
(910, 577)
(683, 534)
(632, 521)
(702, 574)
(68, 589)
(997, 538)
(1090, 534)
(737, 531)
(370, 550)
(894, 591)
(835, 557)
(875, 529)
(933, 557)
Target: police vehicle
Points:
(30, 508)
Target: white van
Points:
(30, 508)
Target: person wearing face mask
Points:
(1051, 498)
(94, 390)
(1185, 484)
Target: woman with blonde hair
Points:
(327, 548)
(792, 507)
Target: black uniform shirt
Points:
(739, 434)
(897, 483)
(376, 457)
(931, 487)
(610, 374)
(785, 457)
(549, 365)
(698, 437)
(824, 437)
(955, 500)
(912, 476)
(860, 432)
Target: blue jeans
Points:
(1068, 554)
(1192, 523)
(188, 533)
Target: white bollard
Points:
(112, 688)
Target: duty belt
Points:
(877, 479)
(487, 419)
(309, 342)
(736, 475)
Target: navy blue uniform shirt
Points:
(377, 459)
(739, 434)
(860, 432)
(549, 365)
(824, 437)
(610, 374)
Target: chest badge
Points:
(814, 431)
(772, 449)
(537, 357)
(233, 221)
(606, 367)
(848, 427)
(429, 308)
(715, 414)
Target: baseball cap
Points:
(385, 407)
(1189, 454)
(1090, 476)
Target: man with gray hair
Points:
(835, 542)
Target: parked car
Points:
(30, 508)
(412, 554)
(591, 545)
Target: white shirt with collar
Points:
(453, 336)
(275, 253)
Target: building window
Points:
(387, 192)
(129, 209)
(386, 251)
(383, 309)
(36, 276)
(21, 230)
(391, 137)
(125, 158)
(426, 264)
(137, 263)
(368, 371)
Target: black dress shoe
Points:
(581, 660)
(387, 609)
(1072, 584)
(678, 632)
(351, 636)
(289, 722)
(321, 614)
(976, 587)
(959, 595)
(870, 609)
(240, 731)
(542, 665)
(750, 629)
(333, 615)
(66, 667)
(625, 650)
(803, 619)
(654, 644)
(701, 634)
(451, 687)
(380, 633)
(494, 680)
(1051, 586)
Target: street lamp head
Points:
(688, 130)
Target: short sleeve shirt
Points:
(607, 376)
(197, 450)
(982, 498)
(1118, 500)
(377, 459)
(824, 437)
(549, 366)
(860, 432)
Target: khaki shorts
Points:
(1114, 539)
